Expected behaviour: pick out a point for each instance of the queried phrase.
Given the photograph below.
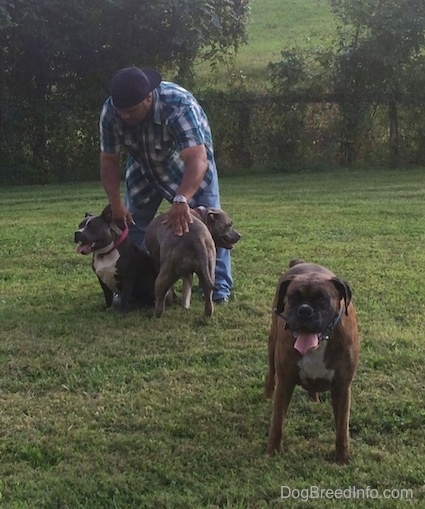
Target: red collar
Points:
(119, 241)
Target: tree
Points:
(380, 56)
(57, 58)
(378, 60)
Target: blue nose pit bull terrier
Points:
(121, 267)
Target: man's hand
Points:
(180, 218)
(121, 216)
(110, 176)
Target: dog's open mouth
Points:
(225, 244)
(85, 249)
(306, 341)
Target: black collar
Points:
(323, 336)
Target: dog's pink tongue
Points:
(83, 249)
(305, 341)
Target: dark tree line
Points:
(378, 59)
(57, 58)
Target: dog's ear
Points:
(211, 213)
(344, 291)
(107, 214)
(87, 214)
(295, 261)
(283, 288)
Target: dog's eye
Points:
(91, 227)
(297, 296)
(321, 299)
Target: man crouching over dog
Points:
(170, 156)
(313, 342)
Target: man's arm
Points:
(110, 176)
(195, 162)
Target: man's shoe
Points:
(223, 301)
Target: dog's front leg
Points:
(341, 400)
(107, 293)
(269, 382)
(282, 397)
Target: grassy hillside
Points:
(277, 25)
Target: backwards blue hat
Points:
(131, 85)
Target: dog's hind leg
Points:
(163, 283)
(207, 283)
(208, 306)
(314, 396)
(187, 290)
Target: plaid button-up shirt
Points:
(154, 164)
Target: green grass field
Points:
(103, 411)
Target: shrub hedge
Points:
(250, 130)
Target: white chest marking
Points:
(106, 268)
(312, 365)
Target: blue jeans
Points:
(210, 198)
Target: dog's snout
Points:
(305, 311)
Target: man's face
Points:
(136, 114)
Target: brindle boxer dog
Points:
(194, 252)
(313, 342)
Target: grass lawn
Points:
(281, 24)
(275, 25)
(104, 411)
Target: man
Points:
(170, 156)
